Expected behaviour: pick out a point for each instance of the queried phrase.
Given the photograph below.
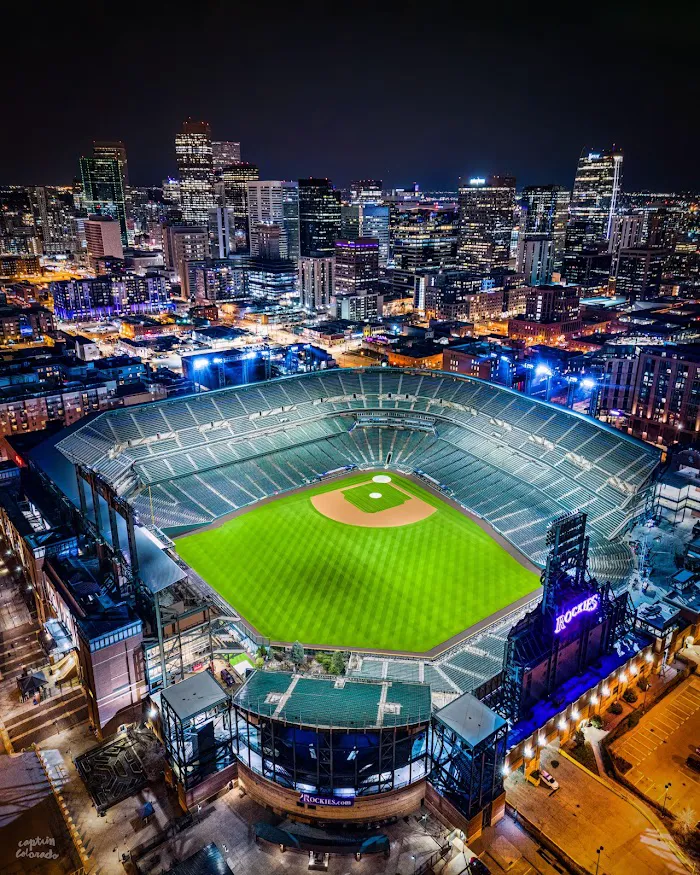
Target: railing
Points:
(427, 865)
(70, 825)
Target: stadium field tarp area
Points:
(296, 574)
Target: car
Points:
(549, 780)
(693, 763)
(227, 677)
(479, 868)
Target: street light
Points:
(666, 789)
(597, 864)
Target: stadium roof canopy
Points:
(335, 703)
(157, 569)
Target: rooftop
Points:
(337, 702)
(470, 719)
(193, 695)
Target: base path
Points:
(335, 506)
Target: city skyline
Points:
(432, 108)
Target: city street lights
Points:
(597, 863)
(666, 789)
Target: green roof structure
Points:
(349, 703)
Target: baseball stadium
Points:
(430, 531)
(380, 510)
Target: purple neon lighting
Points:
(587, 606)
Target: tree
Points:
(337, 663)
(297, 653)
(579, 738)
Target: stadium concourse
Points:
(516, 462)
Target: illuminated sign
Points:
(587, 606)
(331, 801)
(477, 180)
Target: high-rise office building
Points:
(316, 282)
(225, 152)
(231, 188)
(195, 166)
(597, 187)
(18, 226)
(350, 221)
(423, 238)
(116, 150)
(626, 233)
(535, 258)
(171, 192)
(356, 282)
(356, 266)
(265, 241)
(586, 264)
(319, 217)
(55, 220)
(104, 178)
(486, 219)
(221, 225)
(276, 202)
(544, 209)
(639, 272)
(183, 244)
(375, 223)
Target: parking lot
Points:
(659, 745)
(585, 813)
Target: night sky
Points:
(403, 92)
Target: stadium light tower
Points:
(545, 372)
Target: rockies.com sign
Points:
(331, 801)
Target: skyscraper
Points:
(231, 189)
(55, 220)
(596, 191)
(536, 258)
(375, 223)
(116, 150)
(225, 152)
(103, 175)
(276, 202)
(316, 281)
(486, 207)
(195, 165)
(544, 209)
(319, 217)
(356, 266)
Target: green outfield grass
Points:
(360, 496)
(295, 574)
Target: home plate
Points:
(381, 478)
(375, 495)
